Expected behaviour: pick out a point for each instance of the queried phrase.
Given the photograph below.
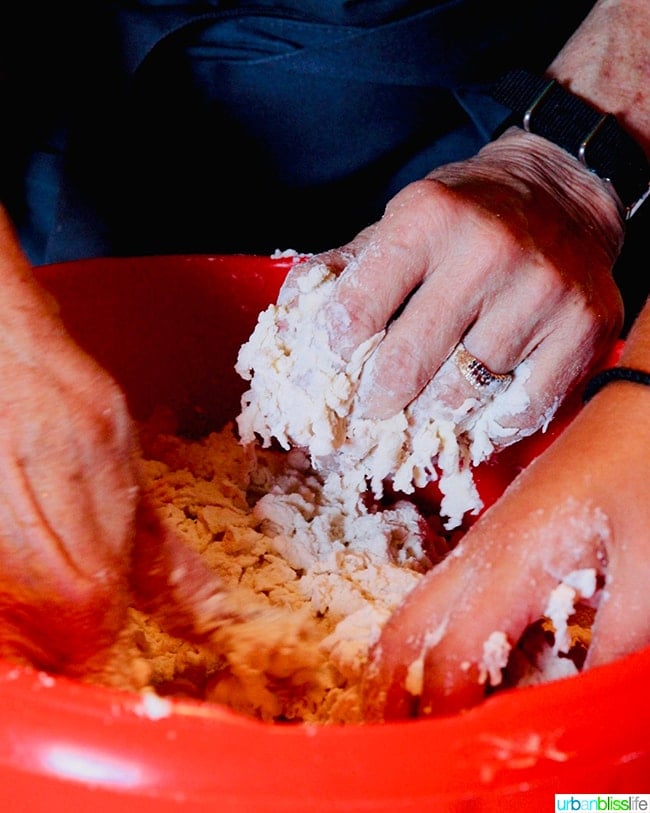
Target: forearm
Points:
(607, 63)
(25, 308)
(14, 269)
(637, 346)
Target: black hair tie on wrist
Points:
(614, 374)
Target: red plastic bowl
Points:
(169, 329)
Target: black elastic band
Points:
(614, 374)
(548, 109)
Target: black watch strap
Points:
(544, 107)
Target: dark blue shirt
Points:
(159, 127)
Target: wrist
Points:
(611, 375)
(543, 106)
(542, 165)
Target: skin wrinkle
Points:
(592, 194)
(27, 504)
(584, 518)
(624, 57)
(606, 61)
(339, 324)
(59, 544)
(65, 539)
(570, 221)
(306, 410)
(82, 459)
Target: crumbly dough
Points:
(311, 571)
(567, 622)
(314, 570)
(313, 549)
(304, 394)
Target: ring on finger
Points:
(478, 374)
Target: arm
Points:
(512, 251)
(68, 482)
(606, 63)
(581, 504)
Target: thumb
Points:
(452, 636)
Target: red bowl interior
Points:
(169, 328)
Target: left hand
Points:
(581, 504)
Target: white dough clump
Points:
(579, 584)
(496, 651)
(568, 616)
(304, 394)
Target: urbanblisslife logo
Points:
(602, 801)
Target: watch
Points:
(543, 107)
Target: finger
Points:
(415, 346)
(69, 472)
(62, 589)
(565, 342)
(554, 368)
(293, 284)
(515, 321)
(435, 669)
(500, 326)
(455, 630)
(392, 681)
(535, 570)
(66, 518)
(482, 310)
(383, 265)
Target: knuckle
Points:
(421, 203)
(402, 363)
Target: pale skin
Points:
(581, 504)
(547, 233)
(521, 234)
(71, 525)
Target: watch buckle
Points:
(528, 113)
(634, 208)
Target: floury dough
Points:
(311, 574)
(311, 564)
(303, 394)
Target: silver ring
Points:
(478, 375)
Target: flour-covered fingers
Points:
(452, 637)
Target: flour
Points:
(304, 394)
(311, 573)
(496, 651)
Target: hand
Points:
(79, 543)
(69, 492)
(581, 504)
(511, 252)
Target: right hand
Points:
(69, 489)
(510, 252)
